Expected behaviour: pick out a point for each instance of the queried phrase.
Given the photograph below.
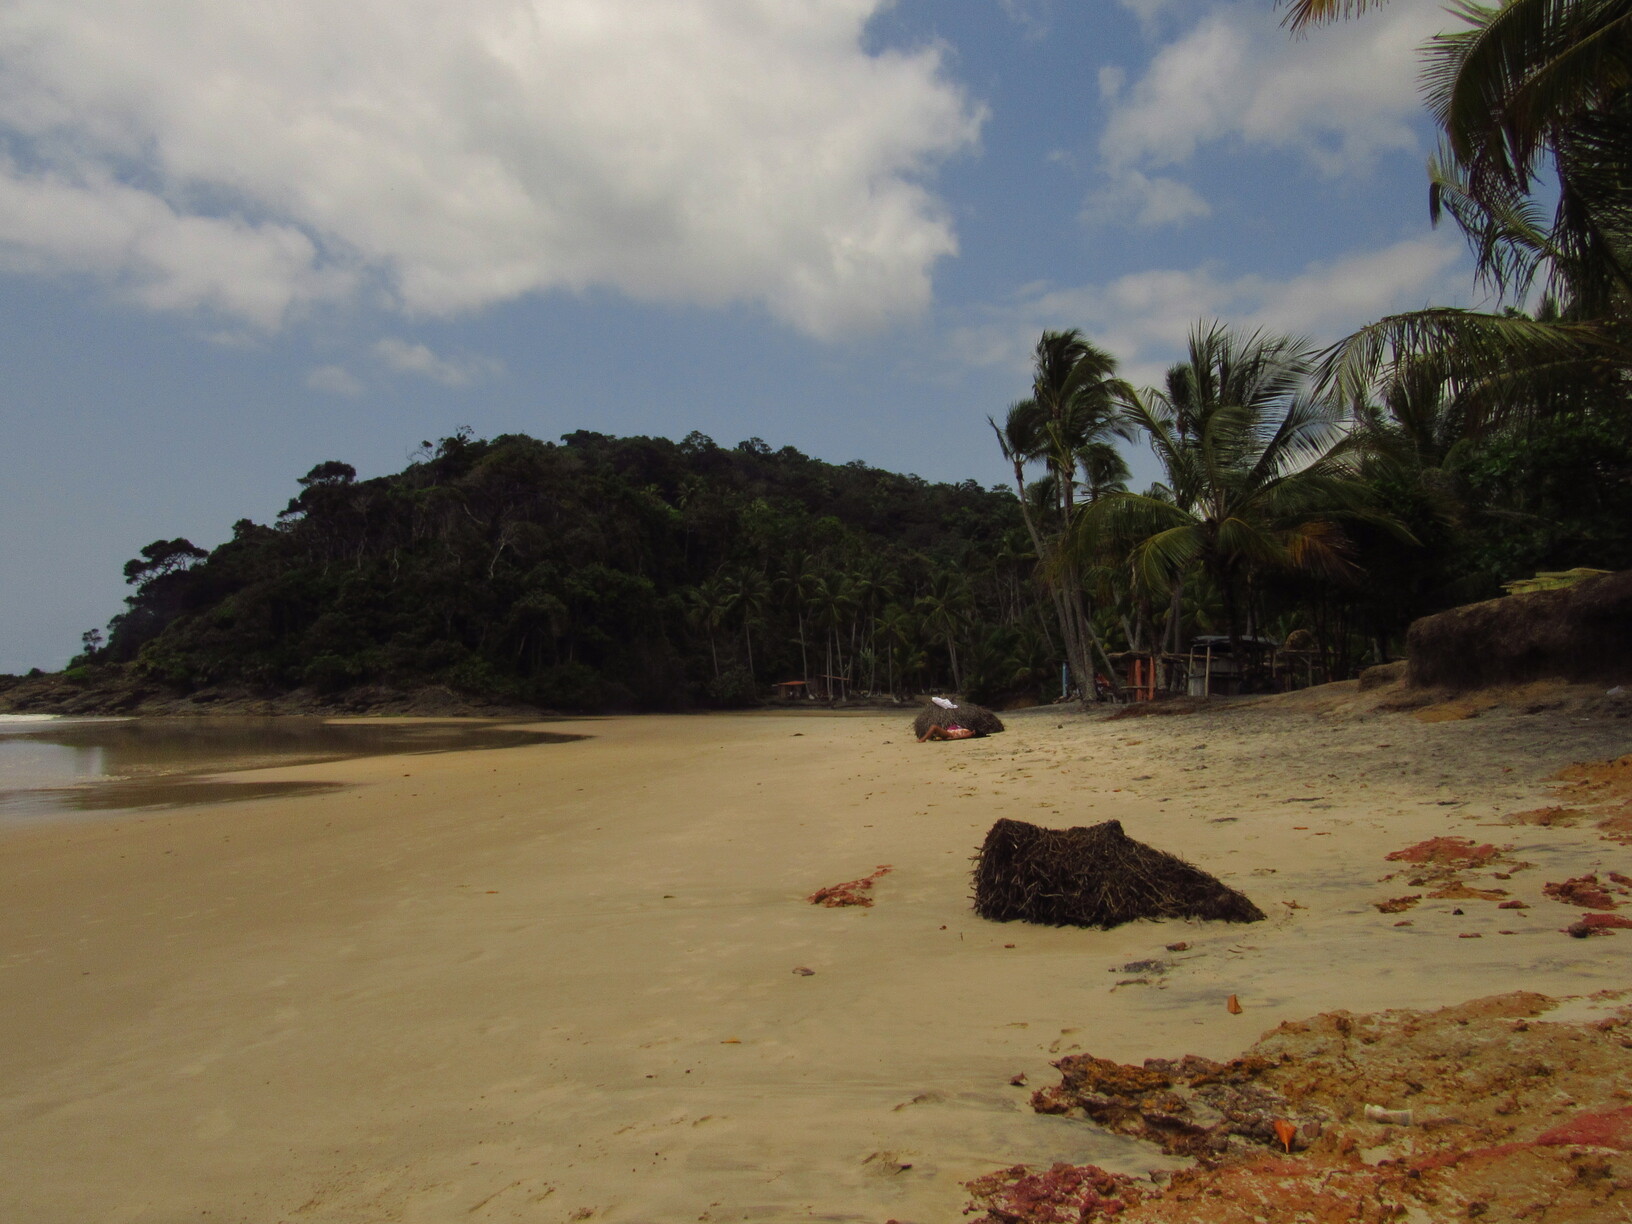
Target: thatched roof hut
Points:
(978, 719)
(1093, 877)
(1578, 633)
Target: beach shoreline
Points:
(561, 982)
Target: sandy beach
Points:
(561, 982)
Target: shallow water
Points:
(52, 767)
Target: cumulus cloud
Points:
(1145, 317)
(257, 159)
(404, 357)
(1340, 97)
(1134, 198)
(334, 380)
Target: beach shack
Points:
(829, 688)
(791, 690)
(1227, 668)
(1147, 673)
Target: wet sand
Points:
(558, 982)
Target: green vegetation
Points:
(1424, 460)
(598, 573)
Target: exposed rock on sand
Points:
(1577, 634)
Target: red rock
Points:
(1603, 1128)
(1445, 851)
(1584, 891)
(1599, 922)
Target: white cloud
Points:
(335, 380)
(1035, 17)
(90, 223)
(407, 358)
(254, 159)
(1144, 318)
(1134, 198)
(1340, 97)
(1149, 10)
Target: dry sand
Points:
(558, 983)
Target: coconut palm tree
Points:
(791, 585)
(1070, 425)
(1259, 472)
(748, 592)
(900, 631)
(1538, 90)
(708, 605)
(945, 607)
(1534, 99)
(830, 602)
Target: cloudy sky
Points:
(237, 239)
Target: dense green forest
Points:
(597, 573)
(1334, 494)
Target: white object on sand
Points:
(944, 703)
(1392, 1117)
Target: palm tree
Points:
(1534, 99)
(1537, 89)
(792, 582)
(900, 632)
(1259, 471)
(830, 602)
(708, 605)
(945, 606)
(747, 594)
(1070, 424)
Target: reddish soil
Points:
(851, 892)
(1513, 1118)
(1604, 788)
(1446, 852)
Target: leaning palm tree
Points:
(1260, 472)
(1070, 425)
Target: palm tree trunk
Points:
(1076, 657)
(1175, 615)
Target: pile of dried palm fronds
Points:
(1095, 877)
(978, 719)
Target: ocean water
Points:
(56, 767)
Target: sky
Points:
(239, 239)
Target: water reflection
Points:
(115, 764)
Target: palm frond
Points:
(1304, 13)
(1472, 344)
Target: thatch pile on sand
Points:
(1093, 877)
(1577, 634)
(978, 719)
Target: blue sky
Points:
(239, 239)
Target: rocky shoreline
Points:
(113, 693)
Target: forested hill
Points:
(597, 573)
